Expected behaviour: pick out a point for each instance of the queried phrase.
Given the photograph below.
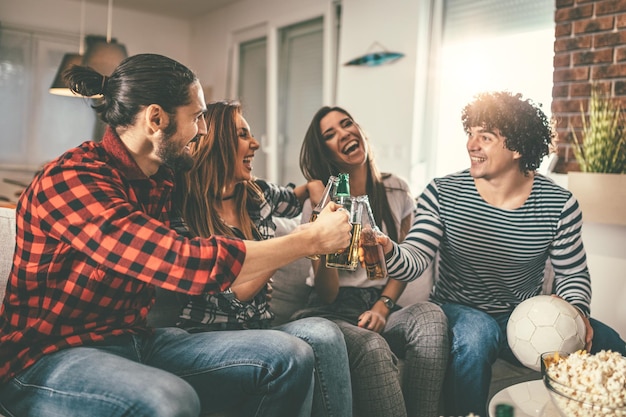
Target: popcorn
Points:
(591, 382)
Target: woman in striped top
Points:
(494, 227)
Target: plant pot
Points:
(602, 197)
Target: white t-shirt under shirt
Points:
(402, 205)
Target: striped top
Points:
(491, 258)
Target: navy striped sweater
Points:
(492, 258)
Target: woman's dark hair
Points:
(523, 124)
(317, 163)
(138, 81)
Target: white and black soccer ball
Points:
(544, 324)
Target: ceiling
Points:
(184, 9)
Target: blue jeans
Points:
(333, 390)
(170, 373)
(477, 339)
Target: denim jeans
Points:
(170, 373)
(333, 390)
(477, 339)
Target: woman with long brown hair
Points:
(220, 196)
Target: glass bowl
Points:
(572, 402)
(548, 358)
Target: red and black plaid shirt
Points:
(93, 241)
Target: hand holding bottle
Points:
(332, 229)
(320, 199)
(382, 240)
(371, 254)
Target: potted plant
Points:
(600, 186)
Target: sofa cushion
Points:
(7, 245)
(289, 282)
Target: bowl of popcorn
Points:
(585, 385)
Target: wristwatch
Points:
(388, 302)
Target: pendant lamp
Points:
(58, 86)
(104, 54)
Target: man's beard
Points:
(170, 154)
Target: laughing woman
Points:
(220, 196)
(376, 330)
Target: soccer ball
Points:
(544, 324)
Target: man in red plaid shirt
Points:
(93, 242)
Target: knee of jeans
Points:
(606, 338)
(322, 331)
(481, 340)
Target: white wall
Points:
(139, 32)
(380, 98)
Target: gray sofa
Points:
(290, 293)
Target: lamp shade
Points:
(58, 86)
(103, 56)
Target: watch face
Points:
(390, 304)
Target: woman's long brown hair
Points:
(200, 188)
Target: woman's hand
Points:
(372, 320)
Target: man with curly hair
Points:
(494, 227)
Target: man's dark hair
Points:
(138, 81)
(523, 124)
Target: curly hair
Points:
(525, 127)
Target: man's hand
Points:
(588, 328)
(588, 331)
(383, 240)
(332, 229)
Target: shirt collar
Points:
(114, 146)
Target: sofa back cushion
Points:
(7, 245)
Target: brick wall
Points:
(590, 47)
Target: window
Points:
(252, 88)
(37, 126)
(300, 87)
(280, 80)
(490, 45)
